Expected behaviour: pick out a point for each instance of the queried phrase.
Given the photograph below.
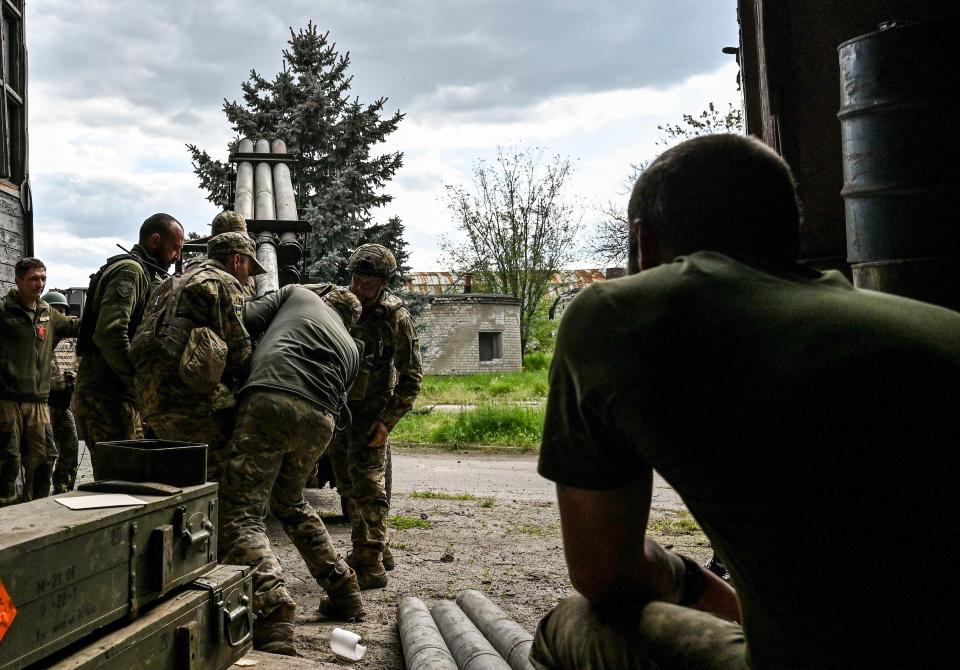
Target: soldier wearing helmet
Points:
(62, 421)
(385, 388)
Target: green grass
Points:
(440, 495)
(487, 425)
(478, 388)
(401, 522)
(537, 360)
(681, 523)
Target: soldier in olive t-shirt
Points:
(810, 427)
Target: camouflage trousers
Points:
(101, 418)
(212, 430)
(360, 472)
(278, 439)
(655, 636)
(27, 449)
(67, 447)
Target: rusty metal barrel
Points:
(901, 159)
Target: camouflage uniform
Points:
(299, 373)
(657, 635)
(61, 417)
(27, 340)
(388, 383)
(278, 439)
(205, 296)
(105, 403)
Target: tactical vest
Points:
(378, 343)
(88, 320)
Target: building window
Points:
(491, 346)
(12, 93)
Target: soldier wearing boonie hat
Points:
(174, 409)
(228, 222)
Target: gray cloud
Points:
(90, 207)
(427, 56)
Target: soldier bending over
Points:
(289, 404)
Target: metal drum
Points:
(901, 159)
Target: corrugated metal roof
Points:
(439, 283)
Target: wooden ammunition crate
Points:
(69, 572)
(206, 626)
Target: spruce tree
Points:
(340, 176)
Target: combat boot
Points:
(273, 633)
(388, 562)
(343, 601)
(369, 566)
(371, 577)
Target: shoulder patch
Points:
(238, 308)
(124, 288)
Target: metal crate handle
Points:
(202, 535)
(230, 616)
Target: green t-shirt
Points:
(811, 428)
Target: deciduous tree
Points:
(608, 241)
(517, 226)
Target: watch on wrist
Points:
(693, 581)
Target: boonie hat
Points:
(227, 244)
(228, 222)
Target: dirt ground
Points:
(506, 544)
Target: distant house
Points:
(463, 332)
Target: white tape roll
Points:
(346, 643)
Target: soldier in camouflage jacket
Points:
(385, 389)
(208, 295)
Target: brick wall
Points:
(450, 330)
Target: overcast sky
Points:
(118, 88)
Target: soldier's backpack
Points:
(203, 360)
(88, 320)
(198, 354)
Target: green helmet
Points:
(55, 298)
(374, 260)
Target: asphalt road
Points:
(504, 476)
